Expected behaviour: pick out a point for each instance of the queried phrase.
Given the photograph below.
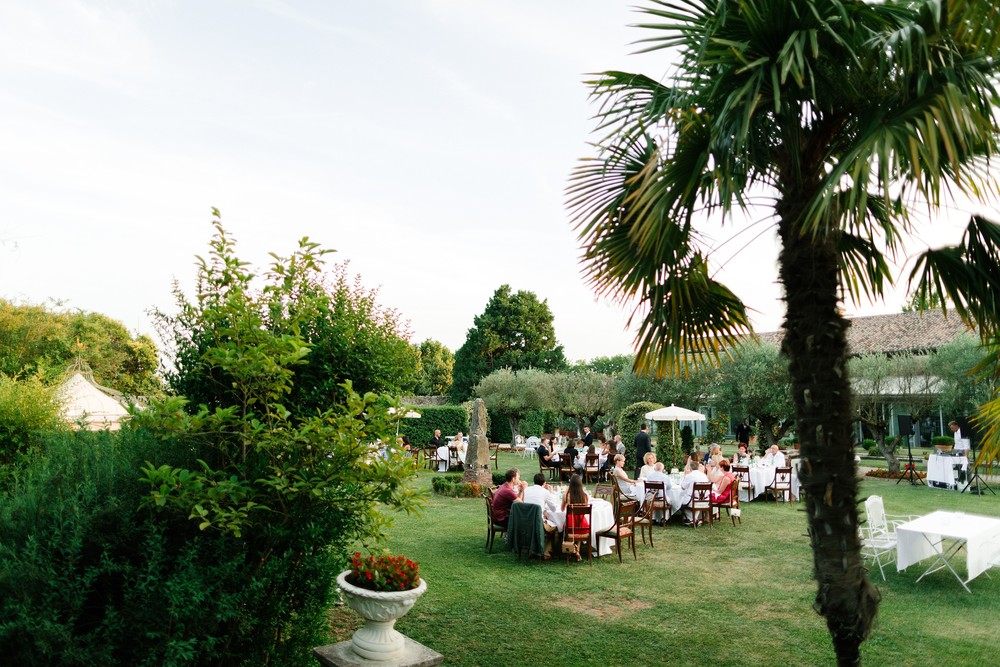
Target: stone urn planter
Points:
(378, 639)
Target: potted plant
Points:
(381, 589)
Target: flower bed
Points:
(883, 473)
(452, 485)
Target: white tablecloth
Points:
(921, 538)
(602, 517)
(673, 495)
(443, 454)
(762, 476)
(942, 469)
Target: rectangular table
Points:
(941, 469)
(924, 538)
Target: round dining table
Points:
(602, 517)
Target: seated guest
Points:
(649, 459)
(539, 494)
(506, 495)
(659, 474)
(462, 445)
(619, 445)
(722, 489)
(712, 471)
(571, 452)
(694, 472)
(625, 485)
(576, 495)
(715, 453)
(742, 456)
(545, 456)
(605, 458)
(774, 457)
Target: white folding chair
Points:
(878, 535)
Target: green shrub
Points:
(27, 408)
(871, 447)
(449, 418)
(687, 439)
(942, 441)
(717, 429)
(452, 485)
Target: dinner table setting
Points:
(602, 517)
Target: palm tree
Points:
(843, 113)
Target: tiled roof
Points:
(896, 333)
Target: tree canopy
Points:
(515, 331)
(436, 365)
(37, 340)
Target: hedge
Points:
(449, 418)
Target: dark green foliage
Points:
(942, 441)
(37, 341)
(670, 449)
(211, 538)
(629, 420)
(871, 447)
(449, 418)
(436, 365)
(452, 485)
(718, 427)
(515, 331)
(27, 408)
(533, 423)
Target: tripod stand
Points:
(911, 471)
(974, 477)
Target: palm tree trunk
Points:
(815, 343)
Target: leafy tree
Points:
(962, 389)
(754, 383)
(515, 394)
(841, 112)
(585, 395)
(347, 334)
(436, 364)
(28, 408)
(515, 331)
(629, 420)
(631, 387)
(607, 365)
(35, 340)
(875, 387)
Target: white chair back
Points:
(875, 511)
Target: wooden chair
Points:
(644, 517)
(701, 503)
(730, 503)
(742, 474)
(492, 527)
(604, 491)
(453, 460)
(566, 468)
(782, 484)
(575, 532)
(432, 459)
(495, 455)
(624, 528)
(591, 468)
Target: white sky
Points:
(428, 141)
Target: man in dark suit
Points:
(588, 438)
(642, 447)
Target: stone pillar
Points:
(477, 459)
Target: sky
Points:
(428, 142)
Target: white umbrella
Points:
(410, 414)
(674, 414)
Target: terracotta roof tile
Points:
(896, 333)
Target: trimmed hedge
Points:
(449, 418)
(629, 420)
(452, 485)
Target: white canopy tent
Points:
(83, 404)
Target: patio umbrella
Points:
(674, 414)
(410, 414)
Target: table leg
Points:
(943, 559)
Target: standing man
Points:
(743, 433)
(588, 438)
(642, 447)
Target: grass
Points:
(725, 596)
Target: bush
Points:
(27, 408)
(942, 441)
(717, 428)
(452, 485)
(449, 418)
(871, 447)
(883, 473)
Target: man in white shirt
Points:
(695, 474)
(539, 494)
(775, 457)
(961, 442)
(659, 474)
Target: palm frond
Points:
(966, 275)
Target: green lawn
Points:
(724, 596)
